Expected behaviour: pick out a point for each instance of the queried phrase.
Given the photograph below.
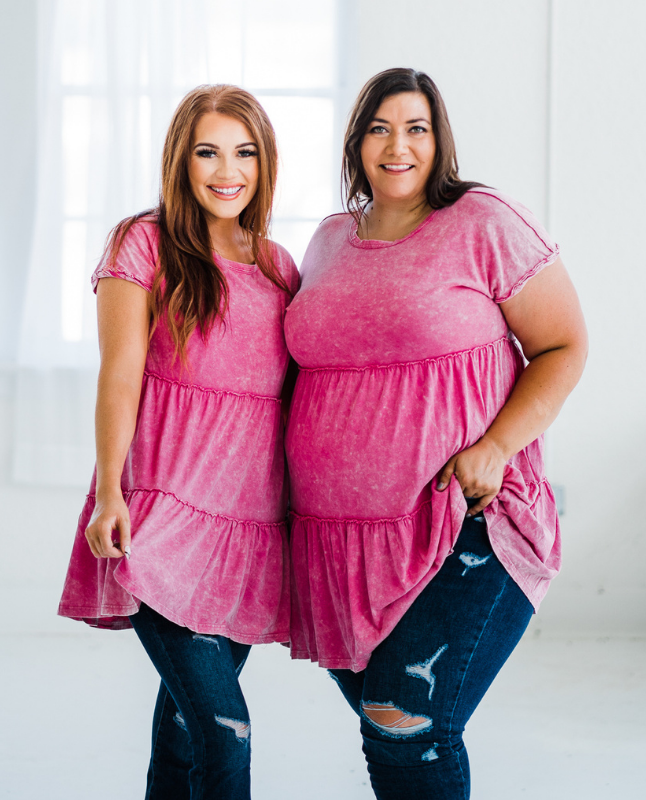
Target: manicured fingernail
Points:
(441, 486)
(126, 551)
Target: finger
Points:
(445, 475)
(89, 535)
(482, 503)
(107, 546)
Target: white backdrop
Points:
(547, 104)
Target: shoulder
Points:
(333, 229)
(335, 223)
(285, 264)
(494, 210)
(144, 232)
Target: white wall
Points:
(572, 149)
(19, 153)
(491, 61)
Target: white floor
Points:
(565, 720)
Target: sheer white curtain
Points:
(111, 72)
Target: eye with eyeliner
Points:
(205, 152)
(247, 153)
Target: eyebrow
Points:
(408, 121)
(216, 147)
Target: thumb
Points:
(445, 475)
(124, 536)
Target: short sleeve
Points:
(514, 247)
(136, 260)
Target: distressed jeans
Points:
(425, 680)
(201, 731)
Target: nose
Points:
(225, 167)
(398, 145)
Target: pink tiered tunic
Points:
(204, 478)
(406, 359)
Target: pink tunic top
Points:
(204, 478)
(405, 360)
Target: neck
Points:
(389, 221)
(230, 240)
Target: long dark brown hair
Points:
(189, 289)
(444, 186)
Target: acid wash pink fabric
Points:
(406, 359)
(205, 476)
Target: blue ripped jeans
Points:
(425, 680)
(201, 730)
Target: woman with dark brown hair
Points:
(424, 530)
(183, 533)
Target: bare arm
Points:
(124, 320)
(546, 318)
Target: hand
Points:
(110, 514)
(479, 469)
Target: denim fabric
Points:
(436, 666)
(201, 731)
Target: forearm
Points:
(536, 399)
(115, 421)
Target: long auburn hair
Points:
(444, 186)
(190, 290)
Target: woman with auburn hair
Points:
(183, 532)
(424, 530)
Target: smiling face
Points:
(398, 149)
(223, 166)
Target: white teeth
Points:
(397, 167)
(231, 190)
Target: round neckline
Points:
(374, 244)
(235, 264)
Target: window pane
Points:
(289, 44)
(304, 128)
(72, 280)
(294, 236)
(74, 20)
(76, 151)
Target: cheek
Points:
(195, 173)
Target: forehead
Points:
(404, 106)
(217, 128)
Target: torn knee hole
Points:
(395, 721)
(241, 729)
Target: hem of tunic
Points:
(210, 629)
(86, 615)
(537, 593)
(329, 663)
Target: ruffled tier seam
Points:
(130, 492)
(421, 362)
(351, 521)
(208, 390)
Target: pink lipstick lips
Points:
(396, 169)
(226, 192)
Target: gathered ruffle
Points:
(354, 579)
(210, 573)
